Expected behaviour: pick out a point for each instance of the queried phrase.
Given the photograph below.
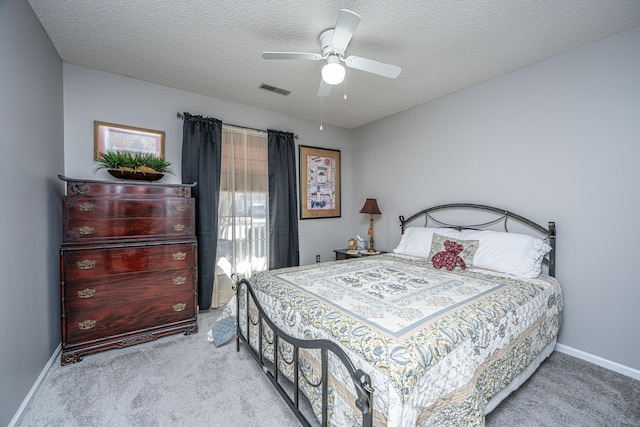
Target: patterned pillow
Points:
(466, 253)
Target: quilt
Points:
(437, 344)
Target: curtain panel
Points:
(283, 207)
(201, 159)
(243, 240)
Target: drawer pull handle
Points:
(179, 280)
(86, 293)
(87, 324)
(85, 207)
(178, 227)
(179, 208)
(179, 256)
(180, 307)
(86, 230)
(86, 264)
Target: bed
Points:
(437, 332)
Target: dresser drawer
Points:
(76, 187)
(127, 318)
(112, 229)
(82, 263)
(124, 288)
(110, 207)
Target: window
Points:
(243, 235)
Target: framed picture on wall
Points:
(319, 183)
(134, 140)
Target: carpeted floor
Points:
(566, 391)
(186, 381)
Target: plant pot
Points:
(140, 176)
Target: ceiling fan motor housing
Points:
(325, 44)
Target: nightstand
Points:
(343, 254)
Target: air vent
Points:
(275, 89)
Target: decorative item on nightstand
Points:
(352, 247)
(352, 244)
(371, 207)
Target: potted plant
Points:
(123, 164)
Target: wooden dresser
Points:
(127, 264)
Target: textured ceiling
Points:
(214, 47)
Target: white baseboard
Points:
(34, 387)
(596, 360)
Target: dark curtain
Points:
(283, 207)
(201, 159)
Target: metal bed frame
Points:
(361, 380)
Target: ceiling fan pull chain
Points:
(321, 107)
(345, 86)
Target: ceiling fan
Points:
(333, 43)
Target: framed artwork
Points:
(319, 183)
(113, 137)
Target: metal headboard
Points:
(503, 216)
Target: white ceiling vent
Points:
(275, 89)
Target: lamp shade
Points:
(370, 207)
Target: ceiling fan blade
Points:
(291, 55)
(324, 89)
(345, 27)
(371, 66)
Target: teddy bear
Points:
(449, 258)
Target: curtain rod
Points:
(181, 116)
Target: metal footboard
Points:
(361, 380)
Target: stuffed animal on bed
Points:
(449, 258)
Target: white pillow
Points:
(511, 253)
(416, 241)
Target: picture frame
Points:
(319, 183)
(134, 140)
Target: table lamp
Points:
(371, 207)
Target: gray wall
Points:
(92, 95)
(32, 155)
(558, 140)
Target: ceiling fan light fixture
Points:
(333, 73)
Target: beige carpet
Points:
(186, 381)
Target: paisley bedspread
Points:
(437, 344)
